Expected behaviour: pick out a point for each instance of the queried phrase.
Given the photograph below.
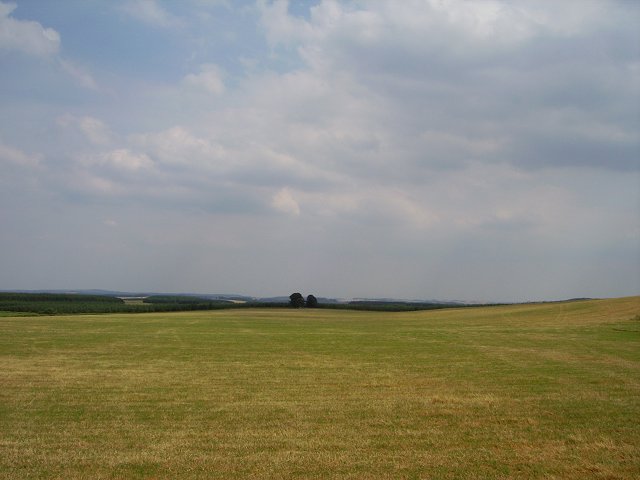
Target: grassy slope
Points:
(531, 391)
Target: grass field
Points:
(532, 391)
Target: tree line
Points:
(61, 304)
(296, 300)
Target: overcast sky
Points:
(472, 150)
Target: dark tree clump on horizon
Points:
(312, 302)
(296, 300)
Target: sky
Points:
(424, 149)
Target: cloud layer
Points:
(475, 150)
(26, 36)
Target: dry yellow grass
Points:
(534, 391)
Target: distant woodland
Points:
(71, 303)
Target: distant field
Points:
(71, 303)
(541, 391)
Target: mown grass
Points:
(531, 391)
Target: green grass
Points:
(533, 391)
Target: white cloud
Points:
(281, 27)
(150, 12)
(127, 160)
(178, 146)
(379, 111)
(569, 17)
(80, 75)
(93, 129)
(440, 83)
(26, 36)
(284, 202)
(209, 79)
(121, 159)
(17, 157)
(91, 184)
(32, 38)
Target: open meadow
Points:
(526, 391)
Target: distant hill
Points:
(268, 300)
(286, 300)
(418, 302)
(119, 293)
